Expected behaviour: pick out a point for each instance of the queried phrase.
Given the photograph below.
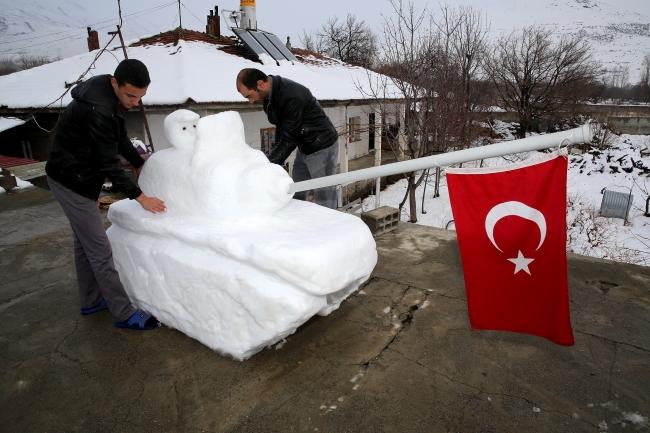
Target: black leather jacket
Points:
(88, 138)
(299, 120)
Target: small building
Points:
(195, 71)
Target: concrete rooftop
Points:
(357, 370)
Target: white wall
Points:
(256, 120)
(157, 130)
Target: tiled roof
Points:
(10, 161)
(228, 44)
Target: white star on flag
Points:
(521, 263)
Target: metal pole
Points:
(144, 116)
(180, 19)
(377, 158)
(572, 136)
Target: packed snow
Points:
(624, 167)
(234, 262)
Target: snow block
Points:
(233, 262)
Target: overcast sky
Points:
(288, 18)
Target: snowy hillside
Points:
(620, 168)
(57, 28)
(618, 29)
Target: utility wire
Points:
(197, 18)
(131, 16)
(92, 64)
(145, 11)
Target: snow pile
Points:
(20, 184)
(623, 167)
(234, 262)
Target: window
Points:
(267, 140)
(354, 128)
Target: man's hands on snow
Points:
(152, 204)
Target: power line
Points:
(197, 18)
(153, 9)
(92, 64)
(131, 16)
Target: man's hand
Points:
(152, 204)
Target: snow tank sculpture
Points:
(234, 262)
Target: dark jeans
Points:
(319, 164)
(96, 273)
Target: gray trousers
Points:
(319, 164)
(93, 256)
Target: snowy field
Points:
(620, 168)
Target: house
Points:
(195, 71)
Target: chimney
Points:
(93, 40)
(213, 27)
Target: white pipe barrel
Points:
(573, 136)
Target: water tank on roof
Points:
(249, 14)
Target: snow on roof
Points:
(9, 122)
(202, 69)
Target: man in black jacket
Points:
(300, 123)
(90, 134)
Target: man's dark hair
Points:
(133, 72)
(250, 76)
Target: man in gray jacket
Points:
(300, 123)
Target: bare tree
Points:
(644, 84)
(310, 42)
(351, 41)
(8, 66)
(29, 61)
(535, 75)
(422, 67)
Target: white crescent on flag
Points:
(515, 208)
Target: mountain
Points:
(619, 30)
(57, 28)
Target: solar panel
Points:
(249, 41)
(261, 42)
(268, 46)
(280, 46)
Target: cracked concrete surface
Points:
(397, 356)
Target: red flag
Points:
(511, 226)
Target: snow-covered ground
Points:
(620, 168)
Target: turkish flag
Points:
(511, 226)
